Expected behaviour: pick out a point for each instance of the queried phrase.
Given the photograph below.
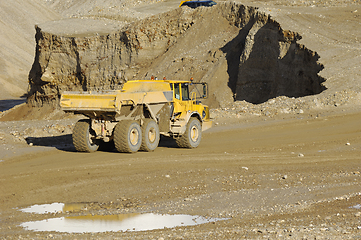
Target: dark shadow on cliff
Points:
(233, 50)
(275, 65)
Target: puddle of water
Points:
(115, 223)
(54, 208)
(357, 206)
(44, 208)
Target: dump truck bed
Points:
(133, 93)
(110, 101)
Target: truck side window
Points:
(185, 92)
(176, 91)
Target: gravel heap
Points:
(286, 105)
(315, 3)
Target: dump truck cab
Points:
(187, 104)
(135, 116)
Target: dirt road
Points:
(276, 178)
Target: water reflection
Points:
(114, 223)
(54, 208)
(357, 206)
(44, 208)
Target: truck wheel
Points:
(150, 133)
(84, 137)
(192, 136)
(127, 136)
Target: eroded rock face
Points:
(75, 63)
(273, 64)
(240, 52)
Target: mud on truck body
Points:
(135, 116)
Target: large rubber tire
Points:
(127, 136)
(192, 136)
(84, 137)
(151, 135)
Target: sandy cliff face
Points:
(17, 43)
(243, 55)
(273, 64)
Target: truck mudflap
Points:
(179, 126)
(206, 125)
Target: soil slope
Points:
(17, 43)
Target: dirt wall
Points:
(17, 19)
(243, 54)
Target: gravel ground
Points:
(265, 188)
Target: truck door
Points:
(182, 101)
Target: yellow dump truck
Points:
(135, 116)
